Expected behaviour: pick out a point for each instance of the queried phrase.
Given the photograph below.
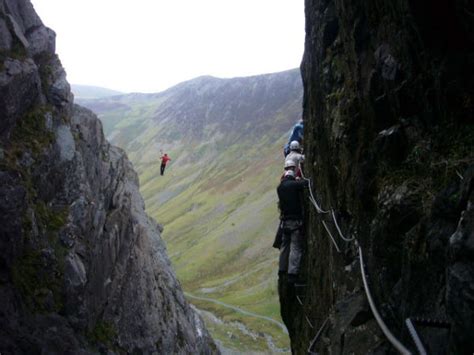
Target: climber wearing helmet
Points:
(295, 135)
(289, 165)
(291, 217)
(296, 156)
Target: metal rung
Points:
(428, 322)
(300, 285)
(316, 337)
(299, 300)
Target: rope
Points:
(399, 346)
(311, 197)
(414, 335)
(330, 235)
(339, 229)
(391, 338)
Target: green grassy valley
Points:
(217, 199)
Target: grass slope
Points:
(217, 199)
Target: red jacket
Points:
(164, 159)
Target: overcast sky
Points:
(150, 45)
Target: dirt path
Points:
(239, 310)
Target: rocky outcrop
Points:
(388, 105)
(82, 267)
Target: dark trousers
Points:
(291, 249)
(162, 169)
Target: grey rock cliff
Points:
(82, 267)
(389, 142)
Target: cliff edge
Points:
(82, 267)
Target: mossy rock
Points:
(51, 220)
(41, 286)
(31, 131)
(103, 333)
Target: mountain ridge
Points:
(91, 91)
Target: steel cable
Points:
(312, 198)
(391, 338)
(330, 235)
(415, 337)
(339, 229)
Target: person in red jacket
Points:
(164, 160)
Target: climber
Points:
(296, 156)
(291, 223)
(295, 135)
(289, 165)
(164, 160)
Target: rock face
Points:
(82, 267)
(389, 138)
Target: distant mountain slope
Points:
(92, 92)
(217, 199)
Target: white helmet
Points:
(294, 145)
(290, 163)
